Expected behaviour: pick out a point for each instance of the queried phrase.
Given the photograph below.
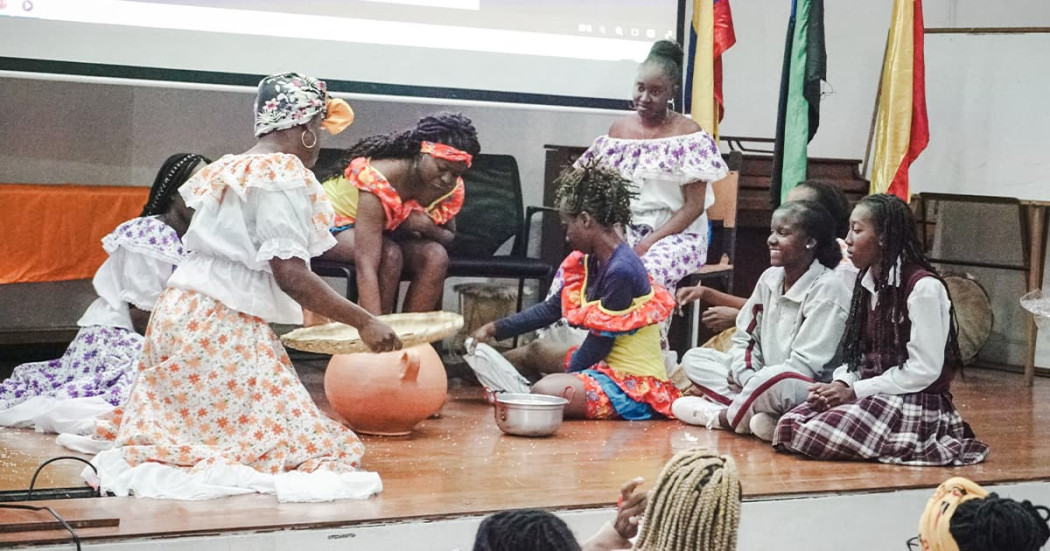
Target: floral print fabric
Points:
(215, 386)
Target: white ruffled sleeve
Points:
(286, 224)
(141, 278)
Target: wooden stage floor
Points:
(461, 464)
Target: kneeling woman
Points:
(890, 401)
(618, 371)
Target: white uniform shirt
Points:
(800, 329)
(929, 313)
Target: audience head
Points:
(291, 109)
(800, 232)
(829, 196)
(524, 530)
(962, 516)
(694, 504)
(592, 198)
(658, 82)
(882, 237)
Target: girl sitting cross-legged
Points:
(618, 371)
(890, 401)
(787, 334)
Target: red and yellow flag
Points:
(711, 35)
(902, 129)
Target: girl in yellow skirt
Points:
(618, 372)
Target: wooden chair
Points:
(721, 249)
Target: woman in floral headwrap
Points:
(404, 219)
(217, 408)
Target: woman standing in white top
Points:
(97, 369)
(217, 407)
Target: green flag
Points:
(798, 112)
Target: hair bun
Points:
(667, 49)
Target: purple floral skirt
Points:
(99, 362)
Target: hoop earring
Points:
(670, 104)
(302, 138)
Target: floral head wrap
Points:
(291, 99)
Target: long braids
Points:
(695, 504)
(895, 227)
(1000, 523)
(452, 129)
(172, 174)
(596, 189)
(524, 530)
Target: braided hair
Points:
(695, 504)
(895, 228)
(832, 198)
(598, 190)
(524, 530)
(172, 174)
(993, 523)
(452, 129)
(668, 56)
(816, 222)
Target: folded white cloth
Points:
(493, 370)
(157, 480)
(50, 414)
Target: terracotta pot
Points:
(387, 393)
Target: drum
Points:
(973, 314)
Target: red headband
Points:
(447, 152)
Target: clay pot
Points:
(387, 393)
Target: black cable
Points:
(32, 482)
(62, 521)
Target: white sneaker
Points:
(493, 370)
(697, 411)
(762, 425)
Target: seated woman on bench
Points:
(618, 372)
(413, 190)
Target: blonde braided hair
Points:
(695, 504)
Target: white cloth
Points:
(134, 273)
(660, 167)
(161, 481)
(51, 414)
(250, 209)
(929, 313)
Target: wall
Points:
(91, 132)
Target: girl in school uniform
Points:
(787, 334)
(618, 371)
(96, 371)
(395, 198)
(890, 401)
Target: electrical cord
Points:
(62, 521)
(32, 482)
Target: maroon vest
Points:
(876, 362)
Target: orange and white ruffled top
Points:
(250, 209)
(360, 175)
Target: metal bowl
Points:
(529, 414)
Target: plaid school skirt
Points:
(918, 429)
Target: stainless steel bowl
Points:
(529, 414)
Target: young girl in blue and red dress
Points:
(890, 402)
(618, 371)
